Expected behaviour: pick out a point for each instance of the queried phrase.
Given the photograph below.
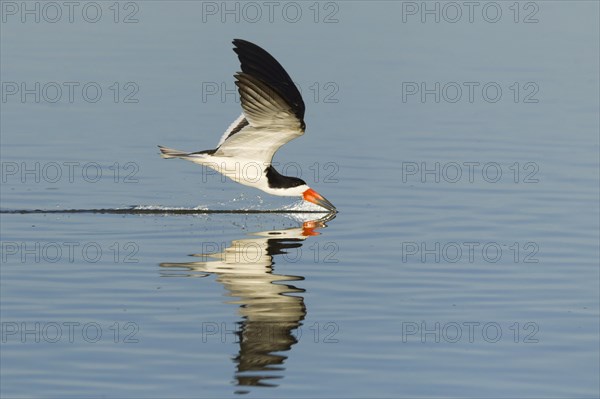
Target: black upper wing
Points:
(261, 65)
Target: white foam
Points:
(168, 208)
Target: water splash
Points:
(303, 206)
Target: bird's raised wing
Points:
(235, 127)
(261, 65)
(273, 109)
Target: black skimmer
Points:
(272, 115)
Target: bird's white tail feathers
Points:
(168, 153)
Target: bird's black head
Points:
(277, 180)
(294, 186)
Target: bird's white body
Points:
(248, 172)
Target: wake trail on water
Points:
(296, 208)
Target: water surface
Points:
(464, 259)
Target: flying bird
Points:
(272, 115)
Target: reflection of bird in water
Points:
(270, 314)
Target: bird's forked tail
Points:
(168, 153)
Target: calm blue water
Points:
(462, 155)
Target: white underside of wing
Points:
(258, 144)
(230, 129)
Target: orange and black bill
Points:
(311, 195)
